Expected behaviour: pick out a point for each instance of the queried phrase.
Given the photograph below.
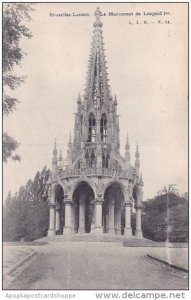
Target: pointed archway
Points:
(113, 209)
(59, 209)
(83, 208)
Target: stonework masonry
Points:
(97, 190)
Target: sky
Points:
(147, 66)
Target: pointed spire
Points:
(115, 100)
(137, 160)
(69, 151)
(141, 183)
(137, 150)
(127, 153)
(60, 156)
(54, 157)
(79, 98)
(70, 140)
(97, 83)
(127, 146)
(98, 22)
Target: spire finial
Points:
(127, 153)
(98, 23)
(60, 156)
(115, 100)
(79, 97)
(137, 150)
(70, 140)
(54, 156)
(55, 144)
(127, 146)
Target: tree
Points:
(155, 223)
(26, 214)
(13, 31)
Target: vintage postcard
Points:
(95, 149)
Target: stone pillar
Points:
(138, 231)
(128, 229)
(51, 230)
(118, 220)
(98, 216)
(81, 216)
(111, 217)
(68, 216)
(57, 216)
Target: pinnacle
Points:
(141, 180)
(60, 156)
(137, 150)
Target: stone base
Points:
(81, 230)
(111, 231)
(98, 230)
(51, 233)
(138, 233)
(128, 232)
(67, 230)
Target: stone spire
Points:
(69, 151)
(60, 159)
(137, 160)
(127, 152)
(97, 89)
(54, 158)
(141, 183)
(79, 102)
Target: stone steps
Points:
(89, 238)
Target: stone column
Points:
(68, 216)
(51, 230)
(128, 229)
(138, 231)
(111, 217)
(98, 229)
(57, 216)
(81, 216)
(118, 220)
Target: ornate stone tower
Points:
(97, 189)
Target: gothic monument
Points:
(97, 190)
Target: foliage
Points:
(25, 215)
(13, 31)
(9, 146)
(155, 222)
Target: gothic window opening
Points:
(105, 161)
(93, 160)
(87, 159)
(92, 128)
(104, 128)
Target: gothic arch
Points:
(113, 208)
(103, 127)
(91, 127)
(116, 181)
(83, 207)
(80, 181)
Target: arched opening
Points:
(83, 208)
(59, 209)
(92, 128)
(105, 160)
(103, 128)
(113, 209)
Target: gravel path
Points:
(83, 265)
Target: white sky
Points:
(147, 66)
